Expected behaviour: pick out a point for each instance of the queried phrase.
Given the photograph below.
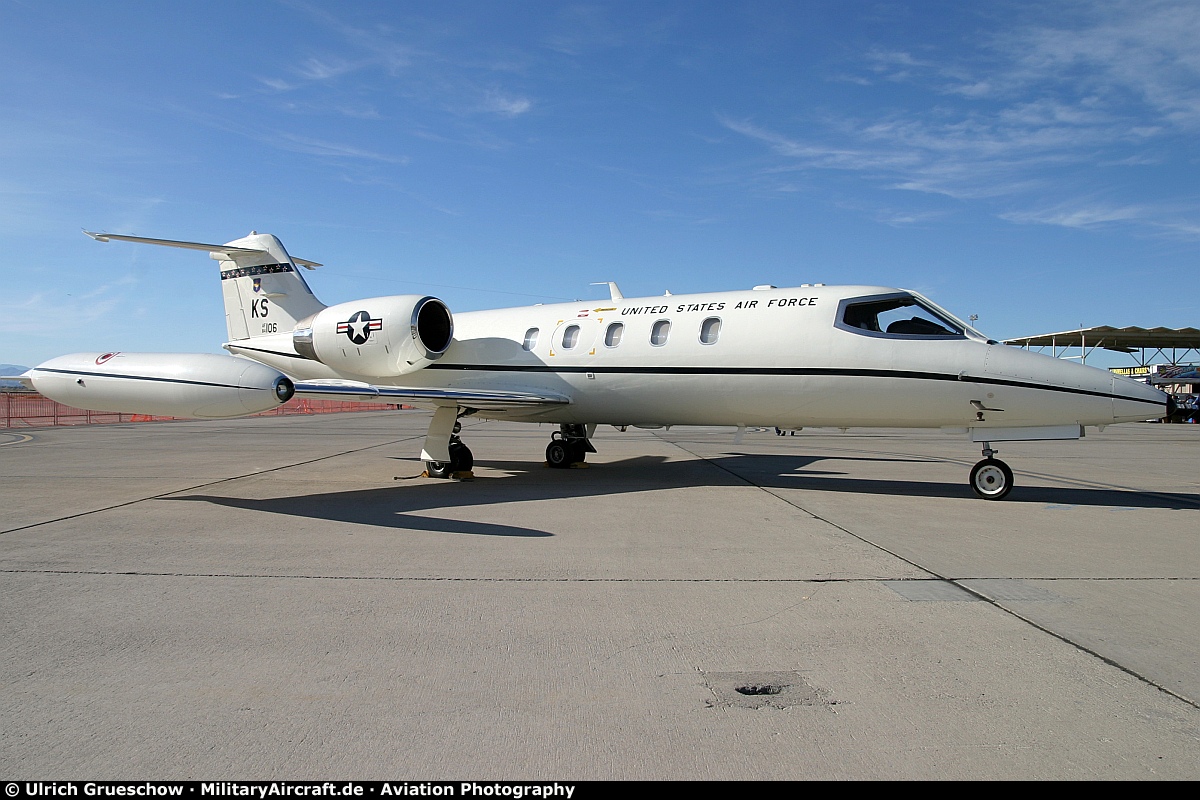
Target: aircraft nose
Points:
(1134, 401)
(1098, 397)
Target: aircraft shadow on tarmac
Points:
(394, 506)
(383, 508)
(782, 472)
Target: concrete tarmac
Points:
(262, 598)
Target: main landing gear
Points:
(991, 478)
(461, 460)
(569, 446)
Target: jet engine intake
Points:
(195, 385)
(379, 337)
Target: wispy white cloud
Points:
(506, 106)
(427, 73)
(815, 153)
(317, 147)
(359, 111)
(286, 140)
(580, 28)
(19, 315)
(1184, 229)
(317, 69)
(1027, 116)
(1077, 216)
(1144, 49)
(904, 219)
(278, 84)
(391, 185)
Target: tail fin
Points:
(262, 286)
(264, 291)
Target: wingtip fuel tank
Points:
(193, 385)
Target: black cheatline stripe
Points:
(146, 378)
(788, 371)
(1065, 389)
(784, 371)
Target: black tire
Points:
(438, 469)
(461, 460)
(558, 454)
(991, 479)
(577, 449)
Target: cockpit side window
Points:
(898, 316)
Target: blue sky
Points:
(1034, 163)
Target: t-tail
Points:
(264, 292)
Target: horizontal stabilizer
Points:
(492, 400)
(222, 249)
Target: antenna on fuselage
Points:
(613, 292)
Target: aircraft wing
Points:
(484, 399)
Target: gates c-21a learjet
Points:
(814, 355)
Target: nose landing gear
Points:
(568, 447)
(991, 478)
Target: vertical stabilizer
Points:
(263, 289)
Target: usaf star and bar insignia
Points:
(358, 328)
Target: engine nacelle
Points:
(196, 385)
(378, 337)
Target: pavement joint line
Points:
(710, 629)
(465, 578)
(441, 578)
(798, 507)
(976, 593)
(209, 483)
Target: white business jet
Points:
(814, 355)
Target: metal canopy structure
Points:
(1147, 345)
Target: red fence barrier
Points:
(29, 410)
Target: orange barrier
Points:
(31, 410)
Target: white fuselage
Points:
(779, 357)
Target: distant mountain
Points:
(11, 369)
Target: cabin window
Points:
(658, 334)
(899, 316)
(710, 329)
(612, 336)
(570, 337)
(530, 339)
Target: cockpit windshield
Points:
(900, 315)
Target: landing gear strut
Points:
(461, 459)
(568, 445)
(991, 478)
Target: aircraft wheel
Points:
(461, 460)
(559, 454)
(991, 479)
